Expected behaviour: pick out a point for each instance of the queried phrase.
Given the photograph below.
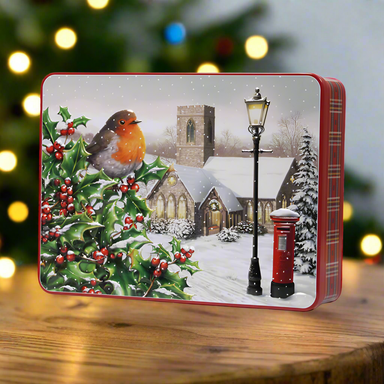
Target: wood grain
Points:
(48, 338)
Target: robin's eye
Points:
(122, 122)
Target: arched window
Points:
(259, 213)
(171, 207)
(284, 202)
(182, 208)
(190, 131)
(250, 211)
(160, 207)
(210, 132)
(267, 212)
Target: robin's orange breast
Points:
(131, 146)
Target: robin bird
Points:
(119, 147)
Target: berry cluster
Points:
(160, 265)
(102, 255)
(130, 185)
(129, 222)
(56, 149)
(184, 255)
(93, 283)
(65, 255)
(64, 195)
(52, 234)
(46, 214)
(69, 131)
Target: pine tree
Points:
(305, 204)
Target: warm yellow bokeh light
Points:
(65, 38)
(347, 211)
(208, 68)
(98, 4)
(8, 161)
(19, 62)
(256, 47)
(18, 211)
(371, 245)
(7, 267)
(31, 104)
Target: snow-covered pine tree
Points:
(304, 203)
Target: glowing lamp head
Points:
(257, 108)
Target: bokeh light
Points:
(256, 47)
(65, 38)
(371, 245)
(175, 33)
(347, 211)
(208, 68)
(8, 161)
(19, 62)
(7, 267)
(18, 211)
(98, 4)
(31, 104)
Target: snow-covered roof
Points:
(284, 212)
(227, 197)
(236, 173)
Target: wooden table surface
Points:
(47, 338)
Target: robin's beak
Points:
(135, 122)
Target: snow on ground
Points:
(224, 275)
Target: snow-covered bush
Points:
(159, 226)
(228, 235)
(245, 226)
(181, 228)
(261, 229)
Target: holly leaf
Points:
(124, 283)
(50, 166)
(142, 267)
(73, 228)
(176, 245)
(49, 249)
(74, 159)
(112, 214)
(174, 278)
(132, 238)
(135, 204)
(190, 266)
(80, 121)
(49, 127)
(64, 114)
(162, 252)
(46, 271)
(152, 171)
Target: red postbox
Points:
(284, 221)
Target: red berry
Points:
(57, 235)
(71, 131)
(120, 254)
(157, 273)
(69, 198)
(135, 187)
(191, 250)
(63, 204)
(60, 259)
(71, 208)
(93, 282)
(139, 217)
(132, 225)
(104, 251)
(130, 179)
(99, 257)
(99, 292)
(70, 191)
(71, 256)
(128, 220)
(163, 265)
(44, 240)
(188, 255)
(63, 196)
(63, 188)
(57, 182)
(177, 255)
(70, 125)
(90, 210)
(112, 256)
(59, 156)
(50, 149)
(49, 217)
(56, 145)
(44, 216)
(91, 291)
(63, 250)
(183, 251)
(64, 132)
(52, 233)
(124, 188)
(45, 203)
(182, 259)
(83, 288)
(63, 212)
(46, 210)
(67, 181)
(155, 261)
(60, 149)
(125, 228)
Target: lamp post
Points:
(257, 108)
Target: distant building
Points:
(217, 192)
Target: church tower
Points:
(195, 135)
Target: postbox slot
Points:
(282, 245)
(282, 229)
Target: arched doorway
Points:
(182, 208)
(171, 207)
(160, 207)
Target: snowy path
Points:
(224, 276)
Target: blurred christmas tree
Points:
(101, 36)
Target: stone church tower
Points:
(195, 135)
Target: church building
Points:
(217, 192)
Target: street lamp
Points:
(257, 108)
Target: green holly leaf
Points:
(175, 292)
(93, 187)
(49, 249)
(174, 278)
(46, 271)
(133, 238)
(112, 214)
(49, 127)
(124, 283)
(74, 159)
(162, 252)
(176, 245)
(51, 166)
(86, 266)
(80, 121)
(152, 171)
(190, 266)
(135, 204)
(141, 266)
(73, 228)
(64, 114)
